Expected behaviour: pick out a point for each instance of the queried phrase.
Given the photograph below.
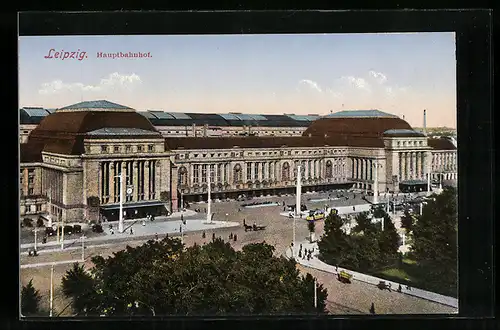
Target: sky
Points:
(402, 74)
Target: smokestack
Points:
(425, 122)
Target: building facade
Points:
(72, 161)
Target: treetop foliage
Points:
(164, 278)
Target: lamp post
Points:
(62, 231)
(83, 247)
(50, 207)
(51, 289)
(209, 197)
(315, 293)
(121, 176)
(36, 230)
(376, 166)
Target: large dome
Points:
(64, 130)
(363, 123)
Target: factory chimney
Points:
(425, 122)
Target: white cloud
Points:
(359, 83)
(378, 76)
(113, 80)
(312, 84)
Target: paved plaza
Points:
(228, 219)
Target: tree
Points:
(364, 224)
(407, 221)
(333, 245)
(164, 278)
(311, 226)
(388, 241)
(435, 240)
(77, 284)
(30, 299)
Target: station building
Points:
(72, 161)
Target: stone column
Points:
(135, 169)
(407, 165)
(146, 180)
(417, 165)
(375, 182)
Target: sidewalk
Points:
(43, 264)
(150, 229)
(318, 264)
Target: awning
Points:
(413, 182)
(133, 205)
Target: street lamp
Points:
(83, 247)
(122, 176)
(376, 166)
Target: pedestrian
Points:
(300, 253)
(156, 236)
(203, 235)
(112, 231)
(213, 236)
(235, 237)
(372, 309)
(336, 268)
(399, 288)
(230, 236)
(143, 222)
(131, 231)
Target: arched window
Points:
(329, 169)
(237, 173)
(285, 172)
(183, 176)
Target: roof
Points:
(64, 131)
(113, 131)
(356, 126)
(403, 132)
(441, 144)
(176, 143)
(162, 118)
(360, 114)
(99, 105)
(30, 153)
(186, 119)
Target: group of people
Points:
(306, 254)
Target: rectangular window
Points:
(31, 191)
(196, 173)
(150, 148)
(219, 171)
(104, 149)
(117, 149)
(204, 173)
(139, 148)
(256, 173)
(212, 173)
(249, 171)
(31, 180)
(128, 149)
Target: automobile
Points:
(97, 228)
(49, 231)
(68, 230)
(77, 229)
